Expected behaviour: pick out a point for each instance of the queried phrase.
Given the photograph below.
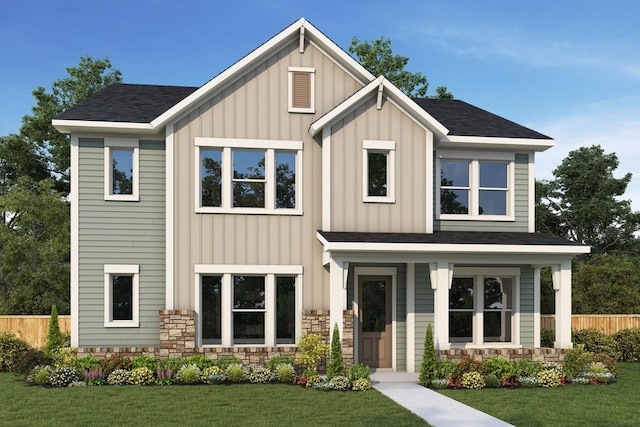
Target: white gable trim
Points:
(475, 142)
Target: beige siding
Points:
(348, 211)
(255, 106)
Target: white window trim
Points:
(479, 274)
(312, 89)
(270, 146)
(124, 269)
(114, 143)
(474, 184)
(379, 146)
(227, 272)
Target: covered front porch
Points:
(482, 299)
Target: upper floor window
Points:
(121, 176)
(378, 166)
(248, 176)
(473, 186)
(301, 92)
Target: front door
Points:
(374, 325)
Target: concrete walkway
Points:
(434, 408)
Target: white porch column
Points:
(337, 293)
(561, 274)
(441, 275)
(411, 317)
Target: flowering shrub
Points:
(164, 377)
(312, 380)
(260, 375)
(284, 373)
(322, 385)
(63, 376)
(118, 377)
(549, 378)
(213, 375)
(189, 374)
(473, 380)
(528, 381)
(39, 375)
(64, 356)
(437, 383)
(93, 376)
(236, 373)
(77, 384)
(361, 384)
(340, 382)
(141, 376)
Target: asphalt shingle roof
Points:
(463, 119)
(128, 103)
(449, 237)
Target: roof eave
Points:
(86, 126)
(500, 143)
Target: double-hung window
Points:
(473, 186)
(482, 306)
(248, 305)
(121, 295)
(378, 166)
(248, 176)
(121, 169)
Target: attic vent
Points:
(301, 90)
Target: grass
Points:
(602, 405)
(239, 404)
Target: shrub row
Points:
(623, 346)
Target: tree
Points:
(336, 359)
(583, 204)
(429, 359)
(378, 58)
(90, 76)
(54, 336)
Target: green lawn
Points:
(245, 404)
(604, 405)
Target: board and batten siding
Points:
(424, 310)
(521, 206)
(348, 210)
(117, 232)
(527, 311)
(255, 106)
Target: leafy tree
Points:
(34, 248)
(378, 58)
(19, 157)
(90, 76)
(582, 203)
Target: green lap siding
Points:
(118, 232)
(526, 307)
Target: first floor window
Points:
(121, 295)
(121, 169)
(249, 309)
(481, 309)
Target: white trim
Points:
(536, 307)
(125, 144)
(411, 317)
(376, 271)
(247, 269)
(473, 142)
(264, 144)
(74, 195)
(429, 178)
(169, 217)
(474, 155)
(326, 179)
(531, 202)
(312, 89)
(486, 271)
(124, 269)
(377, 146)
(78, 126)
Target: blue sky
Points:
(569, 69)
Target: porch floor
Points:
(434, 408)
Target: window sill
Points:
(122, 324)
(122, 198)
(302, 110)
(248, 211)
(503, 218)
(378, 199)
(469, 346)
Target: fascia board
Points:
(69, 126)
(451, 141)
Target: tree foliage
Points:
(336, 359)
(54, 335)
(583, 202)
(378, 58)
(90, 76)
(429, 359)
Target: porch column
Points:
(561, 274)
(441, 274)
(337, 293)
(411, 317)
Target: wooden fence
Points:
(607, 323)
(32, 329)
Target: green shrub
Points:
(114, 362)
(491, 381)
(141, 376)
(189, 374)
(26, 361)
(429, 359)
(499, 366)
(473, 380)
(629, 344)
(65, 356)
(284, 373)
(275, 361)
(311, 351)
(361, 384)
(172, 363)
(445, 368)
(548, 378)
(54, 336)
(359, 371)
(119, 377)
(11, 349)
(597, 342)
(39, 375)
(576, 360)
(235, 373)
(226, 361)
(526, 368)
(213, 375)
(336, 359)
(340, 382)
(88, 361)
(547, 338)
(144, 361)
(200, 360)
(312, 380)
(63, 376)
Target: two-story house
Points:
(296, 191)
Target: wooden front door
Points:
(374, 325)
